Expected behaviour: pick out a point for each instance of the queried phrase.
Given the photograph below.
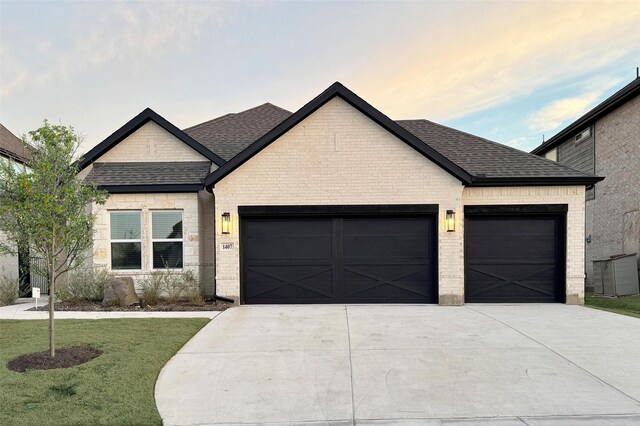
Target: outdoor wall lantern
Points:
(226, 223)
(450, 221)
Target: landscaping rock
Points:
(120, 290)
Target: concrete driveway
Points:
(389, 364)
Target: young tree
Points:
(46, 208)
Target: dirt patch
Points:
(66, 357)
(87, 306)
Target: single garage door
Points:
(514, 258)
(338, 259)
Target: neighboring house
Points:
(338, 203)
(16, 153)
(606, 142)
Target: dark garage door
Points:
(338, 260)
(514, 258)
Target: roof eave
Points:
(150, 189)
(624, 95)
(535, 181)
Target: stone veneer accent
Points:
(196, 210)
(339, 156)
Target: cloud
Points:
(497, 52)
(114, 32)
(555, 114)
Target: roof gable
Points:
(358, 103)
(136, 123)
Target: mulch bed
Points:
(66, 357)
(88, 306)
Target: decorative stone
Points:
(120, 290)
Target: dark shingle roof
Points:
(124, 174)
(231, 133)
(13, 146)
(481, 157)
(622, 96)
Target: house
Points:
(16, 153)
(606, 142)
(336, 202)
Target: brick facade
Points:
(339, 156)
(151, 143)
(613, 217)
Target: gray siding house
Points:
(338, 203)
(606, 142)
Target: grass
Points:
(116, 388)
(625, 305)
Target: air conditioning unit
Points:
(617, 276)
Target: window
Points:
(552, 154)
(583, 134)
(166, 230)
(126, 242)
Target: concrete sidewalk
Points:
(21, 311)
(421, 364)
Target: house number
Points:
(227, 247)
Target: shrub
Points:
(174, 286)
(152, 286)
(193, 289)
(85, 284)
(8, 290)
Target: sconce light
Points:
(450, 221)
(226, 223)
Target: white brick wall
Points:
(571, 195)
(339, 156)
(192, 205)
(151, 143)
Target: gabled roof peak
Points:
(134, 124)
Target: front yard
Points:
(626, 305)
(115, 388)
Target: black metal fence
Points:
(38, 281)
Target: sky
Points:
(507, 71)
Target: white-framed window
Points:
(166, 239)
(583, 134)
(126, 240)
(552, 154)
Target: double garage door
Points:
(391, 257)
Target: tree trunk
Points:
(52, 300)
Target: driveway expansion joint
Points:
(558, 354)
(353, 402)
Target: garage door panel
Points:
(513, 259)
(527, 248)
(371, 260)
(302, 281)
(288, 248)
(511, 225)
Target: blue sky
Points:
(507, 71)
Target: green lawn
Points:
(115, 389)
(625, 305)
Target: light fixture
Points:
(450, 221)
(226, 223)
